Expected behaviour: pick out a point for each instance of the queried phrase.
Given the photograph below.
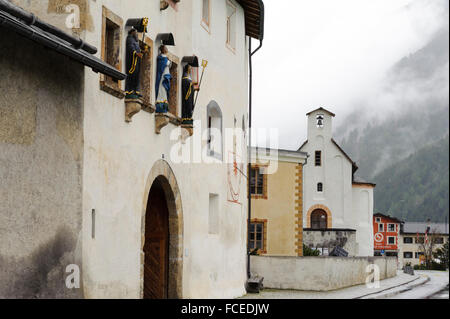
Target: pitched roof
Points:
(389, 217)
(354, 166)
(321, 109)
(414, 227)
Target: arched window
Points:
(214, 122)
(320, 187)
(319, 219)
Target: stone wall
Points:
(319, 273)
(41, 151)
(330, 238)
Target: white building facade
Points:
(129, 172)
(333, 199)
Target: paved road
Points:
(437, 286)
(443, 294)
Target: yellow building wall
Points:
(283, 210)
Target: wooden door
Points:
(156, 245)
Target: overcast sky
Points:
(331, 53)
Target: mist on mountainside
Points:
(408, 111)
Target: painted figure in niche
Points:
(188, 91)
(134, 56)
(163, 78)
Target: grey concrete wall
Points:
(319, 273)
(41, 151)
(330, 239)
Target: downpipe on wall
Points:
(253, 284)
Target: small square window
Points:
(319, 187)
(391, 227)
(391, 240)
(408, 254)
(407, 240)
(378, 220)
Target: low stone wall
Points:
(326, 239)
(321, 273)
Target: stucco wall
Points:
(279, 210)
(119, 157)
(319, 273)
(41, 150)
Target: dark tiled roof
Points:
(416, 227)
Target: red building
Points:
(386, 234)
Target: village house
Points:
(414, 239)
(336, 204)
(91, 183)
(276, 190)
(386, 235)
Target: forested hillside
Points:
(416, 188)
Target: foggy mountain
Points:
(416, 188)
(407, 112)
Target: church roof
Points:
(323, 110)
(354, 166)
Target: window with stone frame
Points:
(258, 182)
(231, 26)
(111, 48)
(438, 240)
(215, 133)
(206, 14)
(257, 235)
(419, 240)
(319, 219)
(318, 158)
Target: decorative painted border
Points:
(299, 209)
(324, 208)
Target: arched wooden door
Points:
(156, 245)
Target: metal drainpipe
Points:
(250, 146)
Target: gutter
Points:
(75, 51)
(250, 143)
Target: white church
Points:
(333, 199)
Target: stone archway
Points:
(164, 176)
(317, 207)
